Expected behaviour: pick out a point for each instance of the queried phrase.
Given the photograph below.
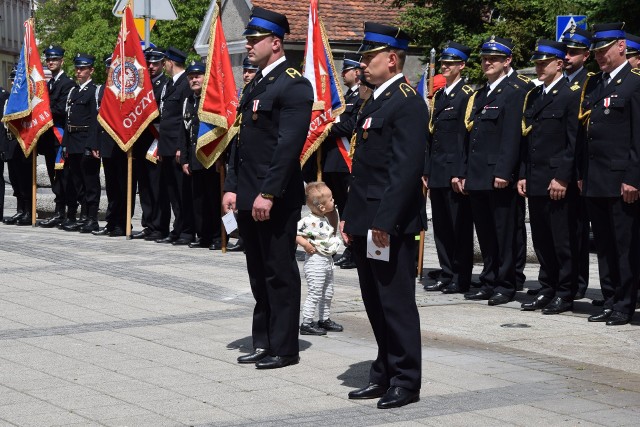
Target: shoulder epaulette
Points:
(293, 73)
(467, 89)
(524, 78)
(407, 90)
(636, 71)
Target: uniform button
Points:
(533, 149)
(473, 151)
(533, 165)
(591, 156)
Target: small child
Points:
(317, 235)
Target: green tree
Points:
(89, 26)
(433, 22)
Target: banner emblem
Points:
(133, 83)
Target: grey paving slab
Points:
(124, 333)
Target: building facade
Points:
(13, 13)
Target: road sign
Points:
(162, 10)
(566, 22)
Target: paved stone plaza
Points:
(105, 331)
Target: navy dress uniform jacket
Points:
(493, 142)
(81, 133)
(446, 135)
(171, 126)
(265, 157)
(385, 191)
(607, 161)
(333, 160)
(551, 124)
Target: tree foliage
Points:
(88, 26)
(434, 22)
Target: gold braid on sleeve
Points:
(525, 129)
(352, 142)
(583, 116)
(467, 115)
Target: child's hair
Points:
(314, 193)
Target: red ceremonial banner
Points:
(28, 114)
(128, 104)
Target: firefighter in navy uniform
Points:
(452, 222)
(265, 185)
(385, 200)
(609, 171)
(578, 42)
(114, 162)
(175, 91)
(204, 183)
(153, 199)
(547, 172)
(82, 166)
(335, 171)
(490, 168)
(59, 86)
(633, 50)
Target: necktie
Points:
(605, 79)
(256, 79)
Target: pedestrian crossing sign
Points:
(566, 22)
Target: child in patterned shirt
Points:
(317, 235)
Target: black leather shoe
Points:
(602, 317)
(478, 295)
(89, 226)
(216, 245)
(13, 219)
(498, 299)
(597, 303)
(275, 362)
(168, 239)
(199, 243)
(533, 292)
(72, 225)
(104, 231)
(617, 318)
(236, 247)
(24, 219)
(330, 325)
(181, 242)
(541, 302)
(346, 256)
(396, 397)
(253, 357)
(371, 391)
(54, 221)
(311, 329)
(435, 287)
(454, 288)
(348, 265)
(154, 235)
(141, 234)
(117, 232)
(557, 306)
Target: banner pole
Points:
(432, 65)
(34, 184)
(319, 163)
(129, 190)
(222, 212)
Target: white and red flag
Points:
(219, 100)
(128, 104)
(27, 113)
(327, 95)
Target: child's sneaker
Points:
(330, 325)
(311, 329)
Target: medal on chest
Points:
(365, 126)
(256, 102)
(607, 103)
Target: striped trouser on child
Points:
(318, 271)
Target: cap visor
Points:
(601, 44)
(368, 48)
(254, 32)
(574, 45)
(542, 57)
(492, 53)
(450, 58)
